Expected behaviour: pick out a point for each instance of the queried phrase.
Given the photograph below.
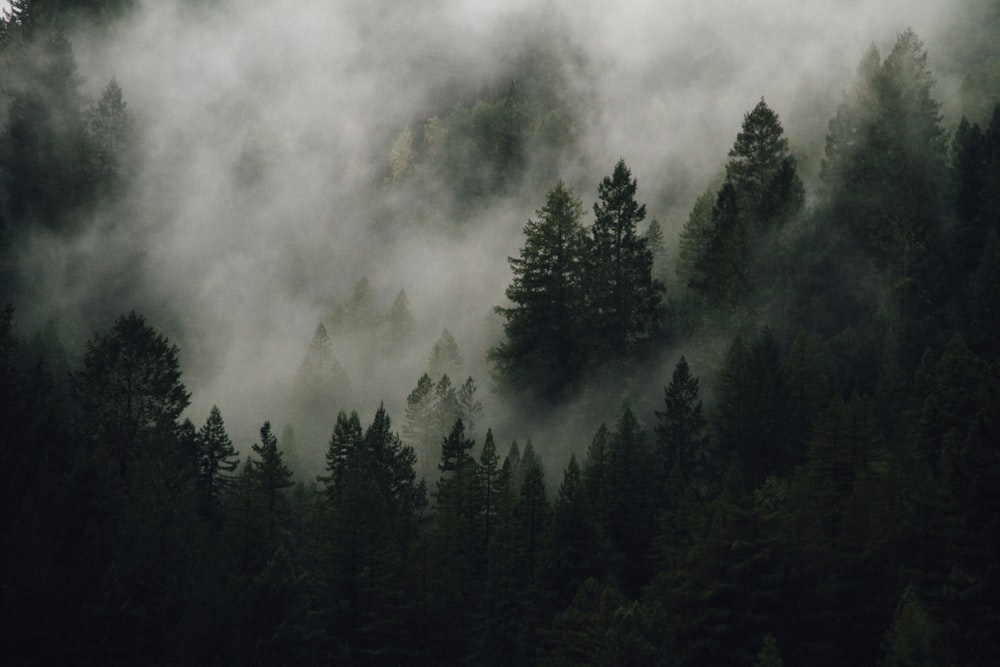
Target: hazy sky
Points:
(240, 280)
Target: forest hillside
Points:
(495, 333)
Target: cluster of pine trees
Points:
(832, 499)
(582, 298)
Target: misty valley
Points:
(439, 333)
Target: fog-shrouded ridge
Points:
(315, 92)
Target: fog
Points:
(314, 92)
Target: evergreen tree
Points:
(421, 426)
(622, 298)
(468, 406)
(807, 369)
(454, 449)
(655, 243)
(346, 438)
(320, 383)
(401, 321)
(489, 481)
(45, 148)
(544, 350)
(217, 458)
(366, 525)
(695, 238)
(111, 129)
(446, 405)
(732, 418)
(681, 434)
(271, 474)
(445, 357)
(885, 175)
(620, 484)
(572, 549)
(762, 171)
(721, 275)
(129, 388)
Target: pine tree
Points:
(421, 426)
(623, 300)
(572, 548)
(445, 357)
(346, 438)
(656, 246)
(885, 174)
(762, 171)
(489, 481)
(681, 434)
(544, 350)
(695, 238)
(721, 274)
(129, 389)
(217, 458)
(320, 384)
(365, 525)
(454, 449)
(446, 406)
(401, 322)
(469, 407)
(111, 129)
(271, 474)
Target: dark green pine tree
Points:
(346, 438)
(532, 507)
(469, 407)
(217, 459)
(623, 300)
(969, 172)
(544, 351)
(681, 434)
(45, 146)
(458, 569)
(489, 492)
(129, 390)
(732, 418)
(272, 476)
(446, 406)
(656, 245)
(886, 181)
(808, 374)
(989, 199)
(753, 406)
(982, 301)
(365, 528)
(721, 275)
(572, 549)
(768, 448)
(695, 237)
(620, 478)
(455, 448)
(762, 170)
(532, 515)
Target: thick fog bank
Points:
(263, 194)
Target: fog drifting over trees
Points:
(264, 191)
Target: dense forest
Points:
(751, 417)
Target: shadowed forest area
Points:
(488, 407)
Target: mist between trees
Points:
(343, 333)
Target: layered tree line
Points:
(821, 490)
